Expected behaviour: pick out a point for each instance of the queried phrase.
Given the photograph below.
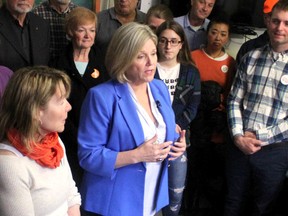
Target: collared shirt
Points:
(258, 100)
(58, 39)
(196, 39)
(108, 24)
(153, 169)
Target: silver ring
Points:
(159, 159)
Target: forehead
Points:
(280, 14)
(205, 1)
(219, 26)
(148, 46)
(169, 32)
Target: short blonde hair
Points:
(28, 90)
(79, 16)
(126, 43)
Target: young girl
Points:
(176, 69)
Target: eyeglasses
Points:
(173, 42)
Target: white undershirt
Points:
(153, 169)
(170, 77)
(81, 67)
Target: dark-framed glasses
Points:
(173, 42)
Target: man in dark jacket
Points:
(24, 36)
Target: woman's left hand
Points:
(179, 147)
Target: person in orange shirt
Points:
(212, 60)
(208, 130)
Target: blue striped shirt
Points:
(258, 100)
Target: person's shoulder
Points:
(101, 88)
(41, 7)
(105, 13)
(180, 19)
(189, 67)
(196, 52)
(231, 58)
(141, 16)
(158, 83)
(33, 17)
(189, 72)
(257, 42)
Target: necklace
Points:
(210, 54)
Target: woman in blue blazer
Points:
(127, 131)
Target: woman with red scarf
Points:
(35, 175)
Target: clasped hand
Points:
(151, 151)
(248, 143)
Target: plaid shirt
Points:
(58, 40)
(258, 100)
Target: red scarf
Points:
(48, 152)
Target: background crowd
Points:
(154, 116)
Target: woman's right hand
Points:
(151, 151)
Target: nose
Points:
(150, 60)
(205, 7)
(86, 33)
(68, 106)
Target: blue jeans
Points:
(176, 181)
(256, 178)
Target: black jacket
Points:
(11, 51)
(79, 89)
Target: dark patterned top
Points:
(58, 40)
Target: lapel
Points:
(7, 32)
(129, 115)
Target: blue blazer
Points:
(109, 124)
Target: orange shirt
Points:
(221, 70)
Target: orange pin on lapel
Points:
(95, 74)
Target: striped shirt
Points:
(58, 39)
(258, 100)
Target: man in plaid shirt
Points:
(55, 12)
(257, 117)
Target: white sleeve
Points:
(15, 198)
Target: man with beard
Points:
(24, 36)
(111, 19)
(195, 22)
(55, 12)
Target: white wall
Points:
(236, 40)
(146, 4)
